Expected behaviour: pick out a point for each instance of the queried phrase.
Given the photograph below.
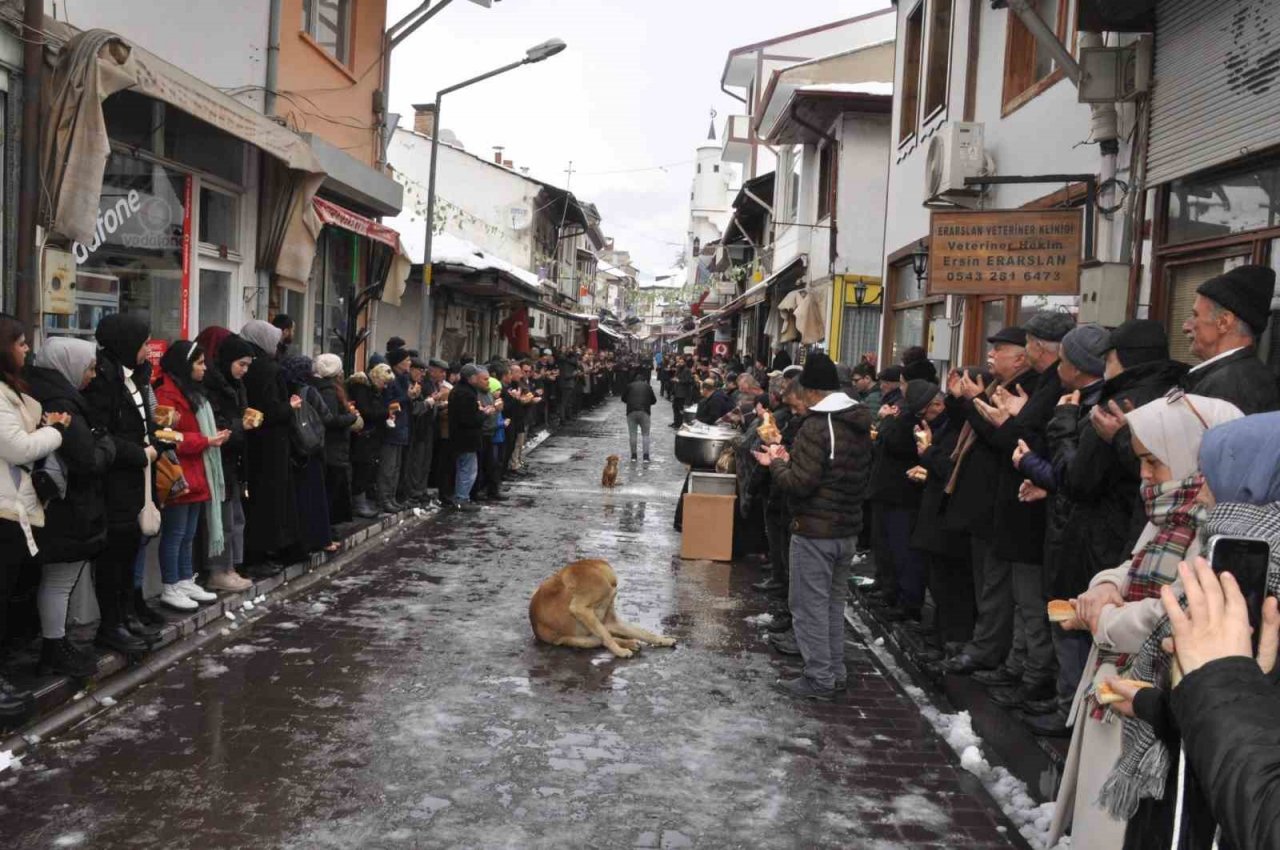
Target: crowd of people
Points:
(238, 456)
(1079, 465)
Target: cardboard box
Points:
(708, 527)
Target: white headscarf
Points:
(1172, 430)
(68, 357)
(262, 334)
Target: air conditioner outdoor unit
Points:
(955, 152)
(1111, 74)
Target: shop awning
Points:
(608, 331)
(89, 67)
(337, 216)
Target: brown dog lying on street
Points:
(575, 608)
(610, 477)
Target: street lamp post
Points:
(537, 53)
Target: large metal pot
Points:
(700, 446)
(690, 414)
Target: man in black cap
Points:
(398, 395)
(984, 455)
(824, 478)
(416, 471)
(1230, 313)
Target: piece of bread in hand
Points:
(918, 474)
(1060, 611)
(1106, 696)
(166, 435)
(253, 418)
(768, 429)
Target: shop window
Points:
(328, 22)
(214, 299)
(1182, 281)
(910, 310)
(1031, 304)
(826, 172)
(1222, 204)
(137, 262)
(334, 278)
(912, 45)
(219, 219)
(935, 81)
(1028, 66)
(793, 185)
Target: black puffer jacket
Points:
(639, 397)
(827, 477)
(465, 419)
(75, 527)
(111, 405)
(227, 399)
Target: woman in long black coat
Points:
(314, 530)
(271, 516)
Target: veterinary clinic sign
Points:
(1006, 252)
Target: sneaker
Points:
(802, 687)
(195, 591)
(173, 596)
(230, 581)
(466, 507)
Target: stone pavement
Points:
(405, 704)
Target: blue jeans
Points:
(177, 535)
(468, 469)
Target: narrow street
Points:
(406, 705)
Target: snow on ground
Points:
(760, 619)
(210, 669)
(1010, 793)
(536, 440)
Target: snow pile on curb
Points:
(536, 440)
(1010, 793)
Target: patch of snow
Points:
(286, 626)
(107, 702)
(760, 619)
(917, 809)
(229, 615)
(69, 839)
(879, 641)
(210, 669)
(296, 650)
(8, 760)
(242, 649)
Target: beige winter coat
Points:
(22, 443)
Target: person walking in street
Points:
(1230, 314)
(75, 528)
(825, 478)
(466, 419)
(181, 387)
(640, 400)
(270, 509)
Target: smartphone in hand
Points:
(1247, 560)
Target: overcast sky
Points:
(632, 92)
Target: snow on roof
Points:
(451, 250)
(880, 89)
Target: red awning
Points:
(330, 213)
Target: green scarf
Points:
(213, 472)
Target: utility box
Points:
(940, 333)
(708, 527)
(1104, 294)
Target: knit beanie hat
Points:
(1139, 341)
(1086, 347)
(919, 394)
(328, 365)
(819, 373)
(395, 358)
(1246, 291)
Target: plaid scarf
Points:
(1144, 760)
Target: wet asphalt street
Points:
(406, 704)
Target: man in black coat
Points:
(824, 478)
(1229, 315)
(639, 399)
(1016, 531)
(466, 419)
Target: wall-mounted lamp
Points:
(920, 261)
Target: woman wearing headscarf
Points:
(75, 529)
(365, 391)
(231, 357)
(308, 472)
(270, 511)
(1105, 774)
(181, 387)
(1240, 462)
(342, 421)
(119, 400)
(26, 436)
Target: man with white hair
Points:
(1230, 313)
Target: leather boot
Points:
(139, 629)
(60, 656)
(144, 612)
(117, 637)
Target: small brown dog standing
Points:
(610, 477)
(574, 608)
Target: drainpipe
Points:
(28, 266)
(273, 57)
(1046, 38)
